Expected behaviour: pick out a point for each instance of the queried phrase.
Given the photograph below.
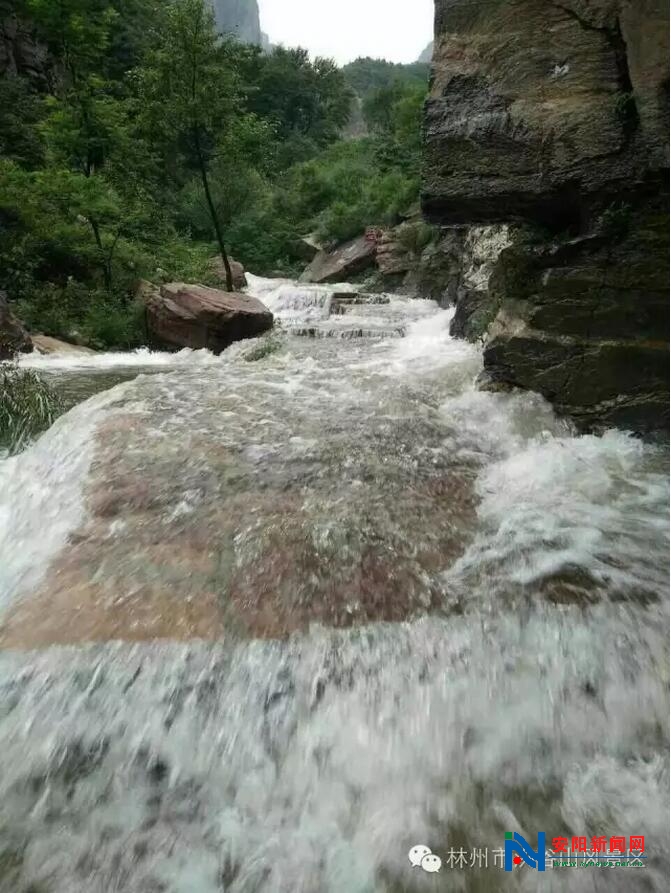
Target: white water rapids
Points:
(386, 608)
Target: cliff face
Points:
(239, 17)
(20, 52)
(552, 115)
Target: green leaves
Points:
(77, 31)
(188, 87)
(28, 406)
(299, 97)
(20, 113)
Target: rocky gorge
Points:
(340, 564)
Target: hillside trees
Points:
(190, 97)
(151, 140)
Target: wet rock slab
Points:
(349, 259)
(250, 514)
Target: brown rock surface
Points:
(237, 270)
(345, 261)
(48, 345)
(180, 315)
(239, 513)
(538, 105)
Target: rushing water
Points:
(293, 611)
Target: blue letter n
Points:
(515, 843)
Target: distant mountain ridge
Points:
(241, 18)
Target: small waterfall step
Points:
(329, 331)
(341, 301)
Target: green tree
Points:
(307, 102)
(88, 129)
(237, 180)
(21, 111)
(379, 106)
(190, 93)
(366, 74)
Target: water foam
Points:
(139, 359)
(41, 495)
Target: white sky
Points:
(397, 30)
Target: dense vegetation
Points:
(365, 76)
(157, 144)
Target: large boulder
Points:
(13, 337)
(419, 259)
(180, 315)
(395, 254)
(237, 270)
(343, 263)
(307, 247)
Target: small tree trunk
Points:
(214, 216)
(106, 266)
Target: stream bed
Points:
(270, 619)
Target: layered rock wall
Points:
(552, 116)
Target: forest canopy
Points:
(146, 145)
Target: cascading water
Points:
(385, 608)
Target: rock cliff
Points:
(20, 52)
(239, 17)
(552, 116)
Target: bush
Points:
(110, 325)
(94, 317)
(415, 236)
(28, 406)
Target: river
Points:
(270, 619)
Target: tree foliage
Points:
(366, 74)
(157, 142)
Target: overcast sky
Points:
(397, 30)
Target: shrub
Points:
(28, 406)
(111, 325)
